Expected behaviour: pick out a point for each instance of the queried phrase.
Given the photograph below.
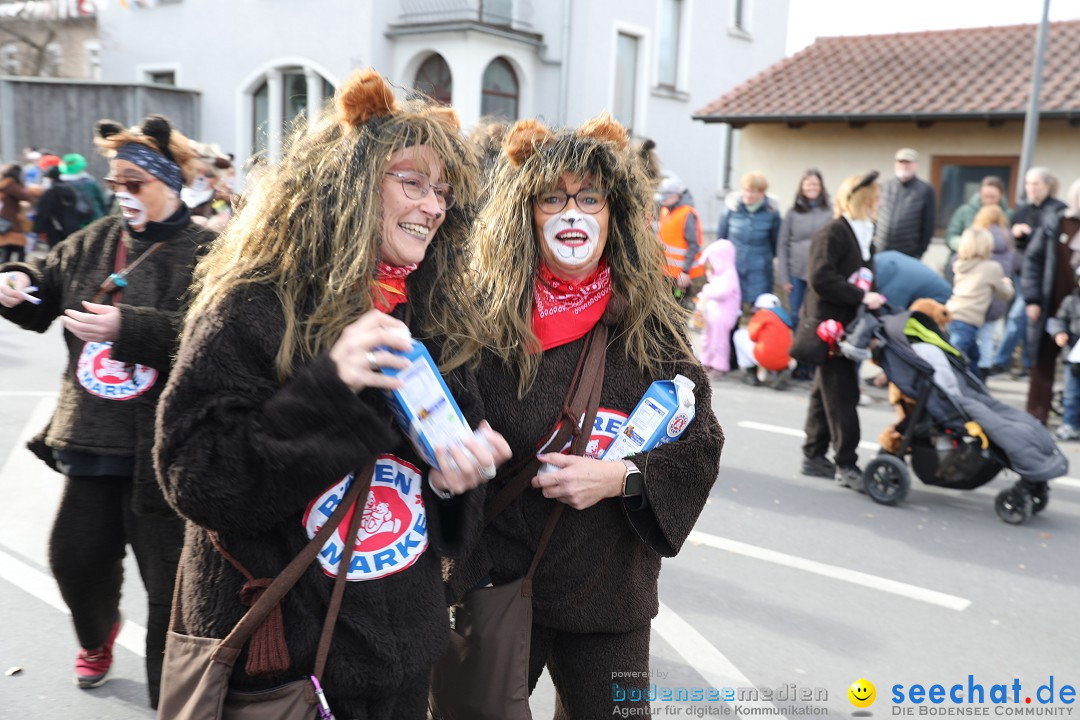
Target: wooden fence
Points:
(59, 114)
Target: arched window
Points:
(279, 99)
(499, 95)
(434, 79)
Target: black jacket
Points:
(1040, 274)
(906, 219)
(255, 461)
(1035, 216)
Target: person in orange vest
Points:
(680, 233)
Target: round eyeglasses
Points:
(416, 186)
(588, 201)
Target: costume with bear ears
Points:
(595, 590)
(104, 445)
(259, 449)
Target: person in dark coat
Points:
(807, 215)
(12, 194)
(751, 221)
(1040, 185)
(563, 245)
(278, 400)
(120, 350)
(57, 213)
(908, 206)
(1046, 279)
(838, 254)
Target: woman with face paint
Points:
(278, 403)
(117, 287)
(562, 247)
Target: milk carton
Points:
(424, 407)
(661, 416)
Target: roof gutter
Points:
(885, 117)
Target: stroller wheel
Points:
(887, 480)
(1014, 505)
(1040, 495)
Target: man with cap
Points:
(680, 232)
(906, 217)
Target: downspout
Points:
(564, 71)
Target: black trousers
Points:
(833, 414)
(93, 526)
(584, 670)
(12, 253)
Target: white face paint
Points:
(572, 237)
(134, 212)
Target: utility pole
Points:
(1031, 119)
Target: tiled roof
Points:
(940, 75)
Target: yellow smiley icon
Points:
(862, 693)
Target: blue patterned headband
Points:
(157, 165)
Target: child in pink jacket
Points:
(719, 303)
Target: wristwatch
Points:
(633, 481)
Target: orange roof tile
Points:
(938, 75)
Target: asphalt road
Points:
(788, 580)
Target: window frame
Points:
(679, 51)
(515, 96)
(448, 101)
(644, 61)
(937, 168)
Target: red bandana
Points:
(565, 311)
(388, 291)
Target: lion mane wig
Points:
(507, 256)
(310, 227)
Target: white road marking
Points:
(700, 654)
(1069, 482)
(792, 432)
(28, 393)
(43, 587)
(914, 592)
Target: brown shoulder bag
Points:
(195, 675)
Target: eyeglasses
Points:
(588, 201)
(416, 186)
(132, 186)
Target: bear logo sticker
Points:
(393, 531)
(103, 377)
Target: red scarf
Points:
(564, 310)
(388, 291)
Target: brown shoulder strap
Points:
(589, 366)
(288, 577)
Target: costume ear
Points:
(364, 95)
(158, 129)
(523, 140)
(447, 117)
(107, 128)
(604, 128)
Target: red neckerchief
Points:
(565, 311)
(388, 290)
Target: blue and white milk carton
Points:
(662, 415)
(424, 407)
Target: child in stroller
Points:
(957, 434)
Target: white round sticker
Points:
(393, 531)
(110, 379)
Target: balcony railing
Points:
(489, 12)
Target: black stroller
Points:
(958, 435)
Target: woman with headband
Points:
(839, 273)
(117, 287)
(277, 406)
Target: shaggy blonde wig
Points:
(310, 228)
(507, 254)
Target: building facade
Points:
(844, 105)
(648, 62)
